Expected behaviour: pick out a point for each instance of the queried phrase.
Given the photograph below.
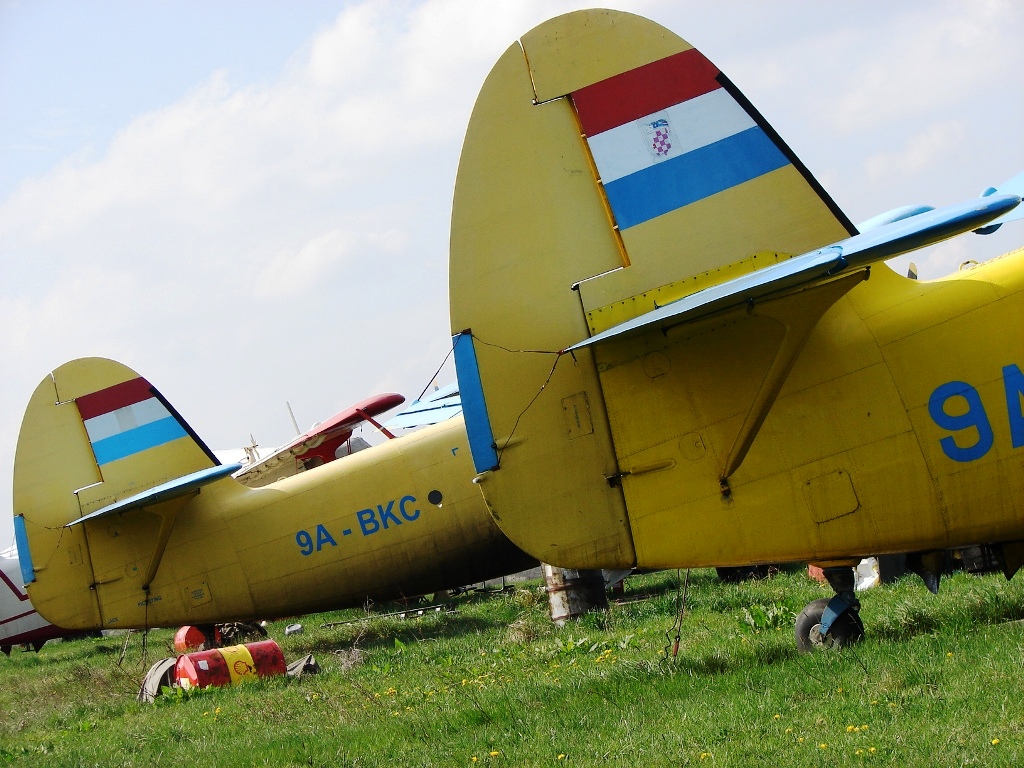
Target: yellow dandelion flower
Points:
(863, 727)
(994, 742)
(872, 750)
(873, 703)
(789, 730)
(800, 739)
(494, 753)
(859, 752)
(473, 758)
(561, 756)
(205, 714)
(949, 655)
(216, 711)
(776, 717)
(823, 745)
(705, 755)
(851, 728)
(839, 690)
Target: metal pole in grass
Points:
(571, 593)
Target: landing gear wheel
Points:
(847, 629)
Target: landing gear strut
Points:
(831, 623)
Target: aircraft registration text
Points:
(371, 520)
(975, 417)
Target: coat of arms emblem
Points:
(659, 137)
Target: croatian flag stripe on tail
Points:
(126, 419)
(667, 134)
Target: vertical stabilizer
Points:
(94, 433)
(610, 168)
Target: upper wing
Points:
(320, 445)
(437, 406)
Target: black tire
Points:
(847, 629)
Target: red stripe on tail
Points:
(641, 91)
(110, 399)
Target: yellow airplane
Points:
(674, 349)
(124, 518)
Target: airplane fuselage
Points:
(399, 519)
(899, 428)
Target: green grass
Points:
(937, 681)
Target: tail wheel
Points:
(847, 629)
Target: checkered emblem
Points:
(659, 137)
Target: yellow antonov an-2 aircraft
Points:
(124, 518)
(674, 350)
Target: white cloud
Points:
(912, 68)
(923, 151)
(290, 272)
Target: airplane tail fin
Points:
(97, 439)
(637, 260)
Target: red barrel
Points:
(229, 666)
(188, 639)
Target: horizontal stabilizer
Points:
(164, 492)
(896, 214)
(1014, 186)
(883, 242)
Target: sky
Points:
(248, 202)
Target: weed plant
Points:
(937, 682)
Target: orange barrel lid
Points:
(188, 638)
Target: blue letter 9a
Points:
(975, 417)
(305, 542)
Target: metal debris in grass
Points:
(412, 613)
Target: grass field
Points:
(938, 682)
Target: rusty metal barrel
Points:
(229, 666)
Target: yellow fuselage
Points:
(399, 519)
(850, 460)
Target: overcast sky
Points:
(248, 202)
